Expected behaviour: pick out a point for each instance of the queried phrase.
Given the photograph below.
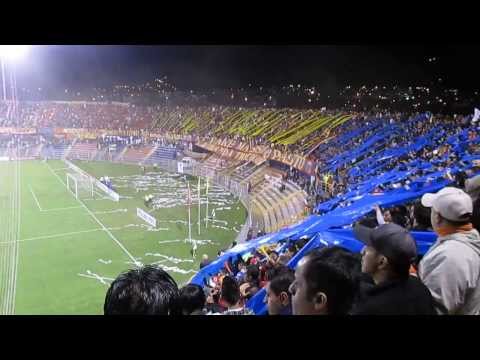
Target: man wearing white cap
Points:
(451, 268)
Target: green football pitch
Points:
(58, 254)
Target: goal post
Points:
(95, 183)
(80, 186)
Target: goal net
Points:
(80, 185)
(89, 183)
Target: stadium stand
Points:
(135, 155)
(161, 153)
(337, 166)
(82, 151)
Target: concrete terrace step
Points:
(284, 208)
(260, 208)
(269, 204)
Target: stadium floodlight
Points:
(13, 52)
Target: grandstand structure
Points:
(276, 161)
(237, 146)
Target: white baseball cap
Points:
(451, 203)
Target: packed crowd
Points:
(387, 278)
(442, 152)
(349, 98)
(87, 115)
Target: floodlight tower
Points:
(9, 54)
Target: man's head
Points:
(422, 215)
(253, 273)
(242, 266)
(450, 207)
(387, 216)
(204, 257)
(323, 284)
(278, 296)
(273, 257)
(144, 291)
(230, 292)
(291, 250)
(388, 253)
(192, 298)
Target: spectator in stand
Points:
(472, 187)
(242, 270)
(323, 284)
(278, 298)
(204, 261)
(144, 291)
(191, 300)
(230, 294)
(287, 255)
(387, 256)
(382, 218)
(252, 284)
(451, 267)
(213, 305)
(422, 220)
(397, 215)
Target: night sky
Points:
(221, 66)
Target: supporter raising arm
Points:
(379, 215)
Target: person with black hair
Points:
(191, 300)
(252, 282)
(284, 258)
(300, 243)
(278, 297)
(230, 294)
(387, 256)
(459, 179)
(421, 216)
(322, 285)
(145, 291)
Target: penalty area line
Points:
(99, 222)
(51, 236)
(35, 198)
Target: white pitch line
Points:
(51, 236)
(67, 168)
(98, 221)
(35, 198)
(48, 210)
(92, 275)
(61, 209)
(17, 248)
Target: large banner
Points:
(149, 219)
(18, 131)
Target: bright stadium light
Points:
(13, 52)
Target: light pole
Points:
(3, 80)
(8, 55)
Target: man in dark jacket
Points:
(388, 253)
